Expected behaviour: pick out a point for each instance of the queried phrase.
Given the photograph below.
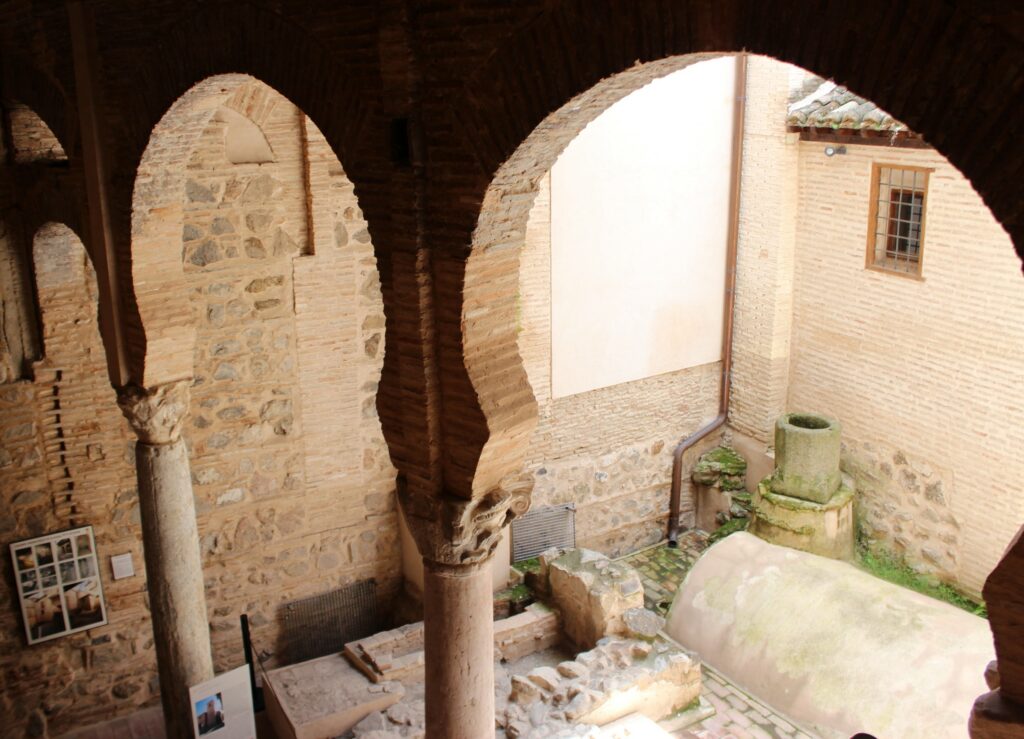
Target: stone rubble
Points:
(617, 678)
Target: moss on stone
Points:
(730, 527)
(726, 460)
(838, 500)
(767, 520)
(528, 565)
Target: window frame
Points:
(869, 254)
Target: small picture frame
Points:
(59, 586)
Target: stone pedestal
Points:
(804, 504)
(995, 717)
(1000, 713)
(826, 529)
(170, 537)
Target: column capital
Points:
(455, 532)
(156, 414)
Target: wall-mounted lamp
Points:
(833, 150)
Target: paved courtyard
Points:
(738, 715)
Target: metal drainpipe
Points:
(729, 303)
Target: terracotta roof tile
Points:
(832, 106)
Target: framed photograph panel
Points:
(222, 706)
(59, 586)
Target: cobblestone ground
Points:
(662, 569)
(738, 715)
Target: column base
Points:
(994, 717)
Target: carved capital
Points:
(454, 531)
(156, 414)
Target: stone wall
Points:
(67, 459)
(294, 488)
(924, 374)
(293, 484)
(609, 451)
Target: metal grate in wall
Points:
(322, 624)
(543, 528)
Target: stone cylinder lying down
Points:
(829, 645)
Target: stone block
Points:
(593, 593)
(642, 623)
(807, 450)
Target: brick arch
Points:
(62, 269)
(956, 85)
(516, 124)
(164, 351)
(194, 67)
(24, 82)
(492, 270)
(241, 38)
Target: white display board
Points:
(639, 225)
(222, 707)
(59, 584)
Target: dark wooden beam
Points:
(101, 241)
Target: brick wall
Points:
(764, 254)
(31, 139)
(609, 451)
(18, 329)
(68, 460)
(924, 375)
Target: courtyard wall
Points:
(293, 484)
(923, 374)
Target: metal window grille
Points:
(898, 226)
(322, 624)
(542, 528)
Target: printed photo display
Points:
(222, 706)
(58, 584)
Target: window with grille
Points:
(896, 225)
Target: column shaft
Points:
(458, 621)
(174, 573)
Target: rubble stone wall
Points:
(294, 487)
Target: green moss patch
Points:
(528, 565)
(730, 527)
(892, 568)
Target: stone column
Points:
(457, 538)
(174, 570)
(458, 622)
(999, 714)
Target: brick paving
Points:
(738, 715)
(662, 569)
